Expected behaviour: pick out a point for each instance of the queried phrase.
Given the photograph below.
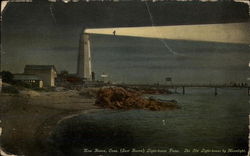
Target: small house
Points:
(47, 73)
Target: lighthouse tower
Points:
(84, 69)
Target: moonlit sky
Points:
(204, 53)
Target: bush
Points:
(10, 89)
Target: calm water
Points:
(204, 121)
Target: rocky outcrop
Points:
(120, 98)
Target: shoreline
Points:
(27, 120)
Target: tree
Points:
(7, 76)
(64, 73)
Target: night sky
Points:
(48, 33)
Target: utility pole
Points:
(2, 7)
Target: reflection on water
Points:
(204, 121)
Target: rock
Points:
(88, 93)
(120, 98)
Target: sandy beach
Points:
(28, 118)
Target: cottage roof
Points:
(26, 77)
(40, 67)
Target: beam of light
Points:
(225, 33)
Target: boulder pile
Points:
(120, 98)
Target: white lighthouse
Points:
(84, 69)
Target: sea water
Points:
(204, 125)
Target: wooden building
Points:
(47, 73)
